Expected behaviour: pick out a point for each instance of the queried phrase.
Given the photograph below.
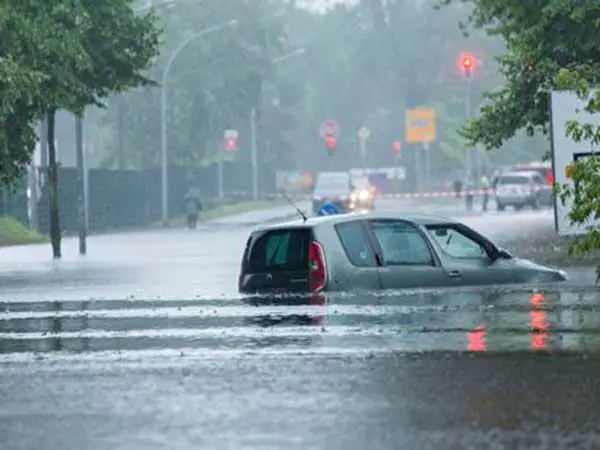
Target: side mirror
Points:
(500, 253)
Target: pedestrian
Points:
(469, 187)
(457, 188)
(485, 186)
(495, 179)
(193, 206)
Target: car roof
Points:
(312, 222)
(520, 173)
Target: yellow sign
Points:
(569, 171)
(420, 125)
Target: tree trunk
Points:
(55, 233)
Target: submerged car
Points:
(375, 251)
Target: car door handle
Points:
(454, 273)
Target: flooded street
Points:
(146, 344)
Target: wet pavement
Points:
(145, 344)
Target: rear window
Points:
(279, 250)
(513, 179)
(355, 241)
(545, 172)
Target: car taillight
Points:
(317, 272)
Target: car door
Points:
(357, 268)
(405, 256)
(468, 257)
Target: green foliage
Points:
(65, 54)
(540, 38)
(363, 65)
(549, 45)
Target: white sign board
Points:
(566, 106)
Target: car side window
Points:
(457, 244)
(401, 243)
(355, 241)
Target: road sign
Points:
(328, 209)
(329, 128)
(420, 125)
(230, 140)
(364, 133)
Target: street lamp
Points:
(163, 112)
(120, 98)
(253, 137)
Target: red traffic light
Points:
(397, 146)
(330, 142)
(467, 63)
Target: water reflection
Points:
(452, 320)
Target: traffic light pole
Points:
(468, 79)
(254, 154)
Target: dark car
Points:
(378, 251)
(333, 188)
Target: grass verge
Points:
(13, 232)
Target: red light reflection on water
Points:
(321, 301)
(476, 339)
(537, 321)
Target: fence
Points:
(126, 198)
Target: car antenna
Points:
(289, 200)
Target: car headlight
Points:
(353, 197)
(364, 195)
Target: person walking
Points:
(469, 186)
(193, 206)
(485, 186)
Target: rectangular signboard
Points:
(566, 106)
(420, 125)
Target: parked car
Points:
(375, 251)
(520, 189)
(334, 188)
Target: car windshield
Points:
(333, 184)
(513, 179)
(361, 183)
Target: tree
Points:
(540, 39)
(83, 51)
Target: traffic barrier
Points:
(398, 195)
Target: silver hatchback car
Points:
(520, 189)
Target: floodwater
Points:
(144, 344)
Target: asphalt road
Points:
(144, 344)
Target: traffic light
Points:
(330, 143)
(397, 146)
(467, 64)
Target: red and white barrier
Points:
(399, 195)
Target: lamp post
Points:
(253, 132)
(120, 97)
(163, 113)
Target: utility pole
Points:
(81, 207)
(120, 131)
(254, 154)
(55, 232)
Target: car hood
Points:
(553, 273)
(330, 194)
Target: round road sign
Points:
(364, 133)
(329, 128)
(328, 209)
